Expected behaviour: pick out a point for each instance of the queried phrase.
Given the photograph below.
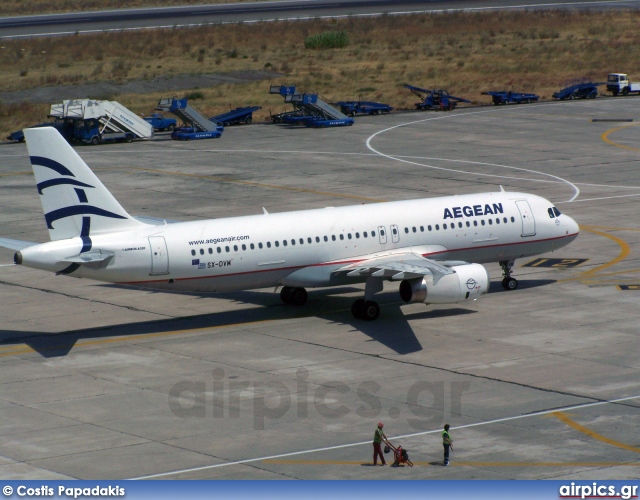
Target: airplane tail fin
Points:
(74, 201)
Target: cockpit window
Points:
(551, 214)
(556, 211)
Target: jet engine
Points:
(467, 282)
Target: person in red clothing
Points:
(378, 439)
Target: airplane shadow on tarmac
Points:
(391, 329)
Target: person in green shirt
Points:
(447, 442)
(378, 438)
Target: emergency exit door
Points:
(159, 255)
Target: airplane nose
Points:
(573, 227)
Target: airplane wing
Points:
(399, 266)
(16, 244)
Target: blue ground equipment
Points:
(508, 97)
(578, 89)
(236, 116)
(352, 108)
(160, 122)
(436, 99)
(197, 125)
(308, 110)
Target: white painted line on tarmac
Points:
(575, 188)
(361, 443)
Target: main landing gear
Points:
(508, 283)
(293, 296)
(366, 308)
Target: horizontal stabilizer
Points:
(154, 221)
(95, 259)
(16, 244)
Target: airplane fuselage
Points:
(304, 248)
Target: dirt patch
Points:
(105, 90)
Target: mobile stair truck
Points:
(97, 121)
(197, 126)
(309, 110)
(160, 122)
(508, 97)
(578, 89)
(436, 99)
(618, 83)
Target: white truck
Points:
(618, 83)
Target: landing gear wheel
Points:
(370, 310)
(298, 297)
(356, 308)
(510, 283)
(285, 294)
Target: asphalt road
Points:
(57, 24)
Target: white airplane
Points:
(433, 247)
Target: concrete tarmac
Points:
(99, 381)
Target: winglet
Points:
(502, 189)
(264, 211)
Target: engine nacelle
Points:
(468, 282)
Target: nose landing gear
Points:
(508, 283)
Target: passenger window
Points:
(326, 239)
(437, 227)
(210, 250)
(373, 234)
(482, 222)
(349, 235)
(382, 232)
(226, 249)
(460, 225)
(309, 240)
(268, 244)
(444, 226)
(302, 241)
(468, 224)
(252, 246)
(193, 252)
(333, 237)
(342, 236)
(358, 235)
(414, 229)
(259, 245)
(475, 223)
(394, 230)
(422, 229)
(317, 239)
(293, 242)
(277, 243)
(504, 219)
(284, 243)
(244, 247)
(235, 248)
(497, 220)
(429, 228)
(513, 219)
(491, 222)
(220, 249)
(364, 234)
(406, 230)
(202, 251)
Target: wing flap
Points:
(398, 266)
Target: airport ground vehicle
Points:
(618, 83)
(436, 99)
(578, 89)
(161, 122)
(499, 97)
(308, 109)
(352, 108)
(198, 126)
(94, 121)
(236, 116)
